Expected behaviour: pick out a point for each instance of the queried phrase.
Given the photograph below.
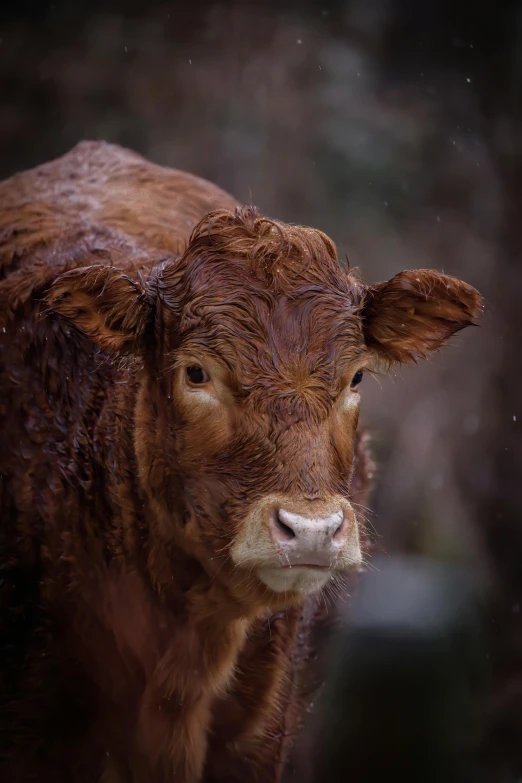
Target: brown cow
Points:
(179, 466)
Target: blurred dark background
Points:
(394, 126)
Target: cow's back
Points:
(100, 186)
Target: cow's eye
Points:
(357, 378)
(197, 375)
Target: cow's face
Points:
(266, 401)
(261, 342)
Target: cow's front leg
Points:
(252, 724)
(172, 736)
(175, 711)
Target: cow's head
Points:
(253, 346)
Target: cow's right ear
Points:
(106, 305)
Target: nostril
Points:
(284, 529)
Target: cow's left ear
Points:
(106, 305)
(416, 312)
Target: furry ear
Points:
(104, 304)
(416, 312)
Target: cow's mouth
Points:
(294, 578)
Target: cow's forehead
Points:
(312, 332)
(273, 301)
(286, 294)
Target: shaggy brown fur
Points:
(138, 640)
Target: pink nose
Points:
(308, 540)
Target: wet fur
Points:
(130, 647)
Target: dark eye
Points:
(357, 378)
(197, 375)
